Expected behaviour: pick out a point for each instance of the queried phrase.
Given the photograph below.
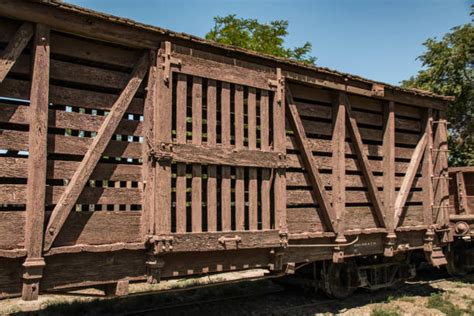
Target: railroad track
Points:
(238, 300)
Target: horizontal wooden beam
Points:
(219, 71)
(220, 155)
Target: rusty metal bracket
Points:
(278, 85)
(164, 152)
(223, 240)
(160, 243)
(378, 90)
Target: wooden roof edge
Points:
(58, 4)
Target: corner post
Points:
(389, 176)
(37, 162)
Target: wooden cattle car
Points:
(132, 153)
(461, 216)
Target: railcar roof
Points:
(60, 5)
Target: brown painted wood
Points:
(162, 127)
(181, 93)
(365, 165)
(252, 140)
(408, 180)
(225, 182)
(196, 194)
(14, 48)
(239, 171)
(462, 194)
(211, 169)
(264, 145)
(12, 224)
(220, 155)
(440, 169)
(148, 173)
(221, 71)
(389, 193)
(310, 163)
(427, 170)
(279, 134)
(36, 185)
(338, 156)
(94, 153)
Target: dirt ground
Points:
(426, 295)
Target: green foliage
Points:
(448, 69)
(263, 38)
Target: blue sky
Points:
(376, 39)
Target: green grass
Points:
(437, 301)
(379, 311)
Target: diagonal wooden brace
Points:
(408, 179)
(16, 45)
(365, 165)
(94, 153)
(312, 168)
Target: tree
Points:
(253, 35)
(448, 69)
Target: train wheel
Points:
(340, 280)
(455, 258)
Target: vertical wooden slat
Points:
(279, 145)
(148, 214)
(117, 206)
(196, 194)
(37, 160)
(211, 169)
(181, 167)
(225, 183)
(427, 170)
(264, 144)
(461, 193)
(162, 126)
(339, 165)
(253, 182)
(239, 171)
(440, 181)
(389, 166)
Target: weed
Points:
(437, 301)
(379, 311)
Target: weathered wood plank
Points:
(37, 149)
(408, 180)
(16, 194)
(206, 68)
(264, 146)
(87, 228)
(364, 163)
(279, 134)
(389, 166)
(19, 89)
(148, 165)
(18, 114)
(427, 170)
(252, 138)
(163, 129)
(14, 48)
(312, 168)
(196, 194)
(338, 157)
(220, 155)
(181, 93)
(239, 171)
(94, 153)
(211, 169)
(225, 182)
(12, 224)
